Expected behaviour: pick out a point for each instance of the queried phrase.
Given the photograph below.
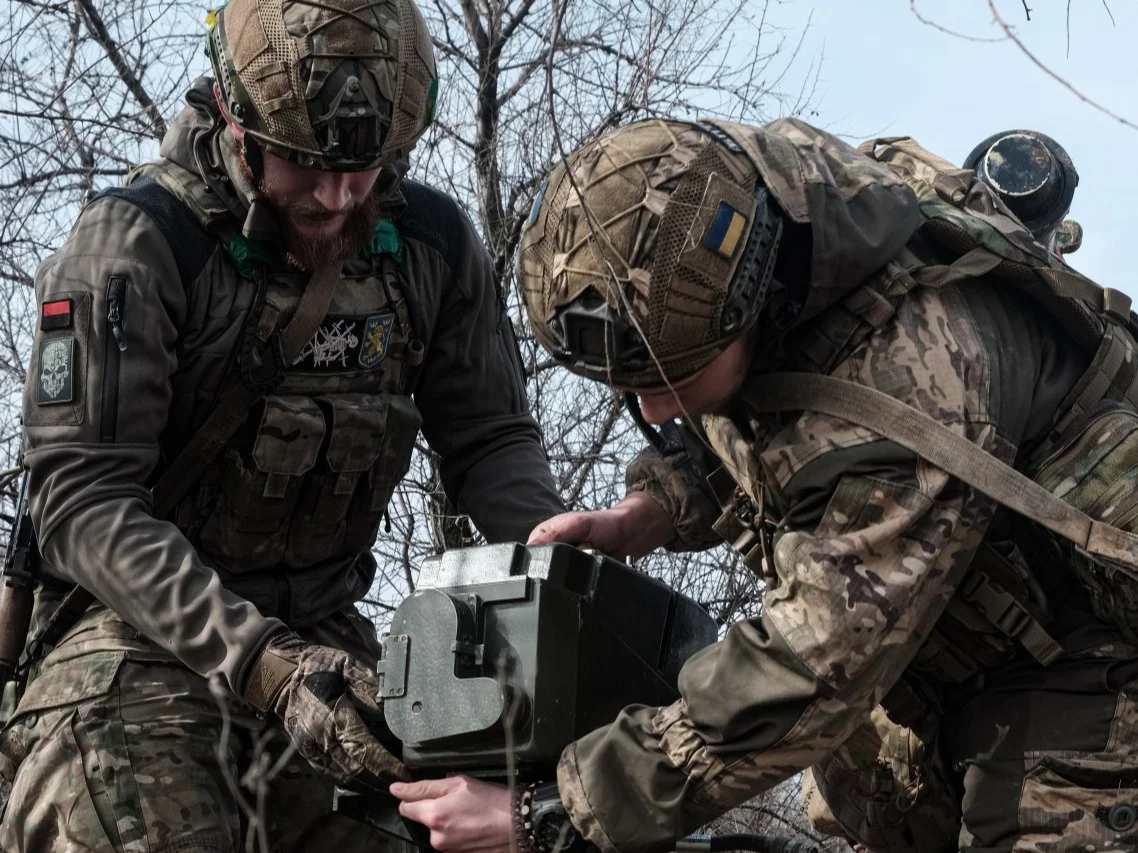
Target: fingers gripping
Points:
(323, 705)
(575, 528)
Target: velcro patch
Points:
(55, 315)
(56, 380)
(377, 336)
(727, 226)
(344, 344)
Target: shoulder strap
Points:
(949, 451)
(189, 189)
(948, 180)
(234, 405)
(185, 233)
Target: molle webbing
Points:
(233, 407)
(1112, 375)
(838, 330)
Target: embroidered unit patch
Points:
(377, 332)
(343, 344)
(332, 344)
(56, 380)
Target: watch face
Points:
(552, 828)
(555, 833)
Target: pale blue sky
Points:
(886, 73)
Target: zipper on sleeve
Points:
(113, 348)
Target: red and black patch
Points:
(55, 315)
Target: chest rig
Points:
(288, 510)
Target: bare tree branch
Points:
(1010, 33)
(940, 27)
(126, 74)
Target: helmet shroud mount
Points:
(344, 85)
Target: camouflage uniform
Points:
(118, 743)
(873, 660)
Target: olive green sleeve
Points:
(94, 408)
(473, 399)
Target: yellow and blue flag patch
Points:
(535, 210)
(725, 231)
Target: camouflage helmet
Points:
(343, 85)
(648, 251)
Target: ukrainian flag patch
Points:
(535, 210)
(726, 229)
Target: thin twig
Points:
(99, 32)
(1054, 76)
(928, 22)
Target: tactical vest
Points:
(288, 513)
(1089, 457)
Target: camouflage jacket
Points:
(136, 339)
(872, 542)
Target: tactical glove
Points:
(322, 696)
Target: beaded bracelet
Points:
(522, 808)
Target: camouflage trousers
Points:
(1048, 765)
(109, 753)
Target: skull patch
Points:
(55, 383)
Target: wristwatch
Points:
(544, 825)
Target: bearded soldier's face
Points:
(317, 203)
(328, 216)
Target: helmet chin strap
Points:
(666, 438)
(254, 156)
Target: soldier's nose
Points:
(333, 191)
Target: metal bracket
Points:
(473, 651)
(392, 669)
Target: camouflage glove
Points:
(322, 696)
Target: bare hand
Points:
(462, 813)
(632, 528)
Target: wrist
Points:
(267, 674)
(542, 823)
(648, 524)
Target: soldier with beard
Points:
(235, 353)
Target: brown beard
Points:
(308, 252)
